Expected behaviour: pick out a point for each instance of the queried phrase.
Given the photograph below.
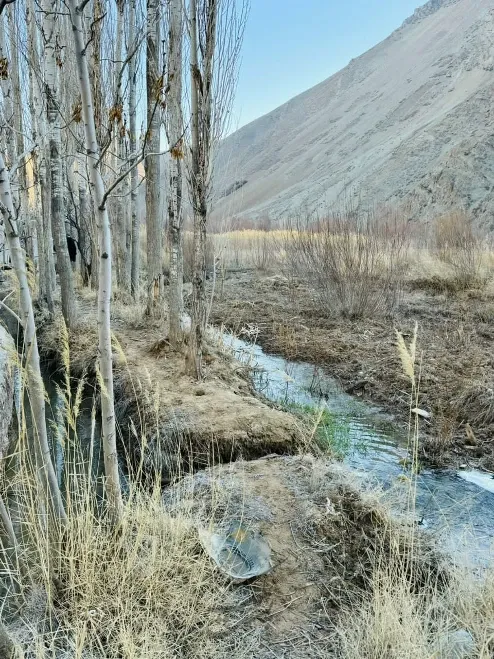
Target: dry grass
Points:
(148, 591)
(349, 581)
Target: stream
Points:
(457, 507)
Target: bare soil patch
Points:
(456, 344)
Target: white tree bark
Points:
(45, 246)
(105, 361)
(96, 22)
(7, 121)
(134, 271)
(175, 140)
(45, 469)
(18, 124)
(120, 202)
(152, 163)
(50, 8)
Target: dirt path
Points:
(456, 347)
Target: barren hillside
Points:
(409, 119)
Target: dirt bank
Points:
(328, 535)
(165, 418)
(456, 344)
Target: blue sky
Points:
(291, 45)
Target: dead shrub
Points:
(262, 247)
(355, 261)
(458, 246)
(485, 314)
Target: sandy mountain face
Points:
(411, 120)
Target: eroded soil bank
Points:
(167, 421)
(456, 344)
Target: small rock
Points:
(455, 645)
(200, 392)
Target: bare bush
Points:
(458, 246)
(354, 261)
(262, 250)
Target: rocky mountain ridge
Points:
(408, 121)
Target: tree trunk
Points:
(175, 141)
(134, 271)
(97, 95)
(45, 242)
(7, 134)
(113, 491)
(53, 157)
(119, 202)
(84, 226)
(14, 31)
(45, 469)
(154, 85)
(198, 316)
(40, 260)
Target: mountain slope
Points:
(409, 119)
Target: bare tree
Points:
(198, 197)
(50, 9)
(175, 131)
(105, 361)
(132, 52)
(7, 133)
(45, 469)
(18, 124)
(119, 206)
(216, 30)
(154, 86)
(96, 22)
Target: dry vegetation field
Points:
(336, 295)
(349, 580)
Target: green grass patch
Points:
(331, 431)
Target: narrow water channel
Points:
(457, 507)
